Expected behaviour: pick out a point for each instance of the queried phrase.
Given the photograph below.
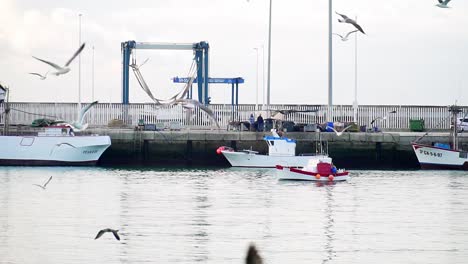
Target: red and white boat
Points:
(316, 170)
(442, 156)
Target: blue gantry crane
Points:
(201, 57)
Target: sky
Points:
(414, 53)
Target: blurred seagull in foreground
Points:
(252, 256)
(113, 231)
(78, 125)
(350, 21)
(341, 132)
(192, 104)
(42, 77)
(45, 184)
(345, 38)
(62, 69)
(443, 4)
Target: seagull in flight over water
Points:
(62, 69)
(113, 231)
(345, 38)
(45, 184)
(341, 132)
(42, 77)
(443, 3)
(350, 21)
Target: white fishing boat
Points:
(321, 169)
(56, 145)
(281, 150)
(442, 155)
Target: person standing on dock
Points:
(260, 123)
(252, 122)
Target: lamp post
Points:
(92, 78)
(79, 64)
(355, 103)
(256, 83)
(269, 57)
(330, 63)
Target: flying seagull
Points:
(443, 3)
(78, 125)
(345, 38)
(62, 69)
(42, 77)
(101, 232)
(192, 104)
(350, 21)
(252, 256)
(291, 111)
(341, 132)
(45, 184)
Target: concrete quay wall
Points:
(383, 150)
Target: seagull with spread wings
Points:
(350, 21)
(62, 69)
(45, 184)
(42, 77)
(78, 124)
(113, 231)
(340, 133)
(443, 3)
(345, 38)
(191, 104)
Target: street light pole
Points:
(355, 103)
(256, 84)
(269, 57)
(79, 65)
(92, 78)
(330, 64)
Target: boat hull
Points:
(435, 158)
(252, 160)
(52, 150)
(288, 173)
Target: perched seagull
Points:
(341, 132)
(45, 184)
(252, 256)
(345, 38)
(65, 68)
(101, 232)
(350, 21)
(78, 125)
(42, 77)
(443, 4)
(192, 104)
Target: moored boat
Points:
(316, 170)
(281, 150)
(56, 145)
(442, 156)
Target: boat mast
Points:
(455, 110)
(7, 112)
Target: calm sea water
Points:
(211, 216)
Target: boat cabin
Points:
(57, 131)
(280, 146)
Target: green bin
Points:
(416, 125)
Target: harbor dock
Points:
(352, 150)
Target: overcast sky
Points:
(414, 53)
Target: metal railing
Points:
(435, 117)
